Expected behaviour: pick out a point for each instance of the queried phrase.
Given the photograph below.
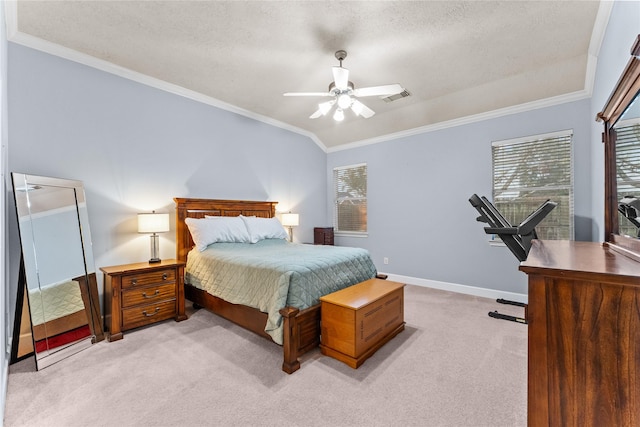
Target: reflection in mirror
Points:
(57, 267)
(627, 130)
(619, 114)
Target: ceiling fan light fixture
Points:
(345, 95)
(344, 101)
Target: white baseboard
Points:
(462, 289)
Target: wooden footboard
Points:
(301, 327)
(301, 334)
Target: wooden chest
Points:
(358, 320)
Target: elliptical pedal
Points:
(516, 319)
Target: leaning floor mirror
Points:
(57, 310)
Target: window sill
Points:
(347, 234)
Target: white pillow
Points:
(264, 228)
(228, 229)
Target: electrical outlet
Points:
(385, 260)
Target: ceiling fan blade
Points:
(361, 110)
(317, 114)
(307, 94)
(340, 77)
(378, 90)
(323, 109)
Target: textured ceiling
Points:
(456, 58)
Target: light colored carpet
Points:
(452, 366)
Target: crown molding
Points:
(600, 25)
(108, 67)
(597, 36)
(515, 109)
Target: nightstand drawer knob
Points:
(134, 282)
(164, 276)
(156, 293)
(152, 314)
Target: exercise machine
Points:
(629, 206)
(516, 238)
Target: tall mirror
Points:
(58, 295)
(621, 117)
(627, 131)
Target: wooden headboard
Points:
(198, 208)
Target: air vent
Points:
(402, 94)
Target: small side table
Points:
(141, 294)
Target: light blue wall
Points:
(419, 216)
(622, 30)
(136, 147)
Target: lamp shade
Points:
(153, 222)
(290, 219)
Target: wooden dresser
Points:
(141, 294)
(358, 320)
(584, 335)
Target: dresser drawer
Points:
(148, 295)
(146, 314)
(149, 278)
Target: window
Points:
(527, 172)
(627, 169)
(350, 199)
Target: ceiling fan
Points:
(344, 94)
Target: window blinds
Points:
(527, 172)
(350, 199)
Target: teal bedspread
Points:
(274, 273)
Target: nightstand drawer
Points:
(149, 278)
(146, 314)
(148, 295)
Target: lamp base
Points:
(155, 246)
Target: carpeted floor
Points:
(452, 366)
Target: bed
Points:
(298, 322)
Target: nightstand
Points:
(323, 236)
(141, 294)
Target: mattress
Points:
(273, 273)
(54, 301)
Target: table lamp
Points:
(290, 220)
(153, 223)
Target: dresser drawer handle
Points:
(152, 314)
(164, 276)
(156, 293)
(134, 282)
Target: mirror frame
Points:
(87, 280)
(625, 92)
